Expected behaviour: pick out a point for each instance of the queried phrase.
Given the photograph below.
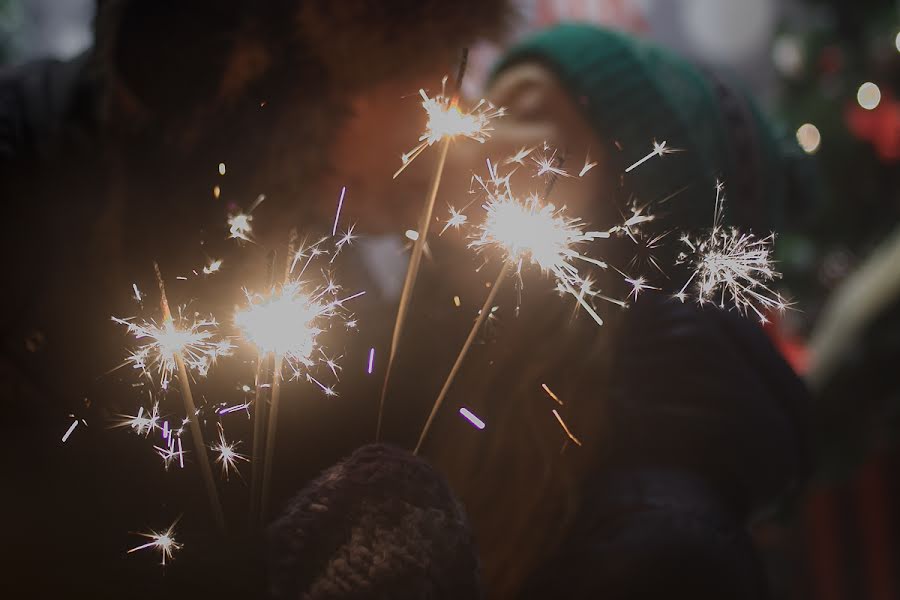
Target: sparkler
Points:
(731, 264)
(194, 341)
(525, 231)
(285, 324)
(445, 122)
(163, 542)
(176, 352)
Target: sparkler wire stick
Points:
(270, 437)
(276, 396)
(479, 321)
(259, 411)
(191, 413)
(555, 163)
(411, 272)
(416, 257)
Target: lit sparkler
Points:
(532, 231)
(161, 541)
(731, 265)
(194, 339)
(525, 231)
(285, 324)
(289, 319)
(446, 120)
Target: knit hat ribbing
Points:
(633, 93)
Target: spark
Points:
(470, 416)
(457, 219)
(551, 394)
(141, 423)
(288, 320)
(137, 293)
(240, 223)
(69, 431)
(565, 428)
(345, 240)
(588, 165)
(193, 339)
(227, 454)
(638, 285)
(728, 264)
(548, 164)
(169, 453)
(371, 360)
(659, 149)
(447, 120)
(533, 231)
(230, 409)
(337, 215)
(520, 156)
(163, 542)
(239, 227)
(212, 267)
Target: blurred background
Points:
(830, 71)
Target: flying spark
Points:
(728, 264)
(565, 428)
(227, 454)
(470, 416)
(551, 394)
(69, 431)
(163, 542)
(212, 267)
(659, 149)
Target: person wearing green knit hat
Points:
(619, 97)
(689, 422)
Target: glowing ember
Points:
(163, 542)
(470, 416)
(227, 454)
(288, 320)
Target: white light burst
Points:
(729, 265)
(194, 339)
(447, 120)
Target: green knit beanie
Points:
(633, 93)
